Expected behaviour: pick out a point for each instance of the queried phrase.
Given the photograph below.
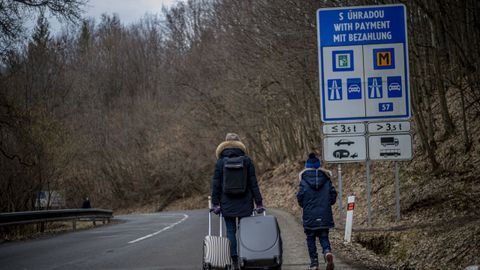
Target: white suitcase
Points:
(216, 249)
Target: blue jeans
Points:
(231, 224)
(322, 235)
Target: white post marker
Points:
(349, 223)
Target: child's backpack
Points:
(234, 175)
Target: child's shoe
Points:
(329, 261)
(313, 264)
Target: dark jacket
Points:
(86, 204)
(316, 196)
(238, 205)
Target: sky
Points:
(129, 11)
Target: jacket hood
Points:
(315, 178)
(235, 148)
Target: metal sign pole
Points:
(369, 193)
(340, 199)
(397, 191)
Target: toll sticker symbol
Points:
(354, 88)
(334, 89)
(394, 86)
(375, 87)
(384, 58)
(342, 60)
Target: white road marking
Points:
(185, 216)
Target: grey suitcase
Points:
(260, 242)
(216, 249)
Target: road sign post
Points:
(397, 192)
(369, 193)
(340, 194)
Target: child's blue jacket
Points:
(316, 196)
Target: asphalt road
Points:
(143, 241)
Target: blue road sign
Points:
(385, 107)
(335, 89)
(394, 86)
(367, 48)
(354, 88)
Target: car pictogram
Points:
(394, 87)
(354, 88)
(344, 142)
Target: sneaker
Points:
(329, 261)
(314, 264)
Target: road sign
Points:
(344, 129)
(342, 149)
(389, 127)
(363, 63)
(390, 147)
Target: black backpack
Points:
(234, 175)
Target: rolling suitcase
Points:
(260, 242)
(216, 249)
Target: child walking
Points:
(316, 196)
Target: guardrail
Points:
(91, 214)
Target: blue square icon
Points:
(342, 60)
(394, 86)
(385, 107)
(384, 58)
(334, 89)
(375, 89)
(354, 88)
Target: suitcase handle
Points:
(255, 212)
(210, 218)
